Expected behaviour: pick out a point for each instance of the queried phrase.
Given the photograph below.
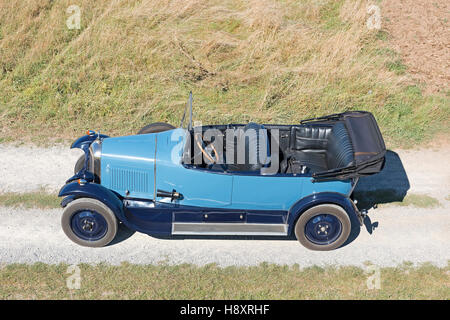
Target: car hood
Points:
(144, 148)
(128, 163)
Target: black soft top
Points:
(367, 142)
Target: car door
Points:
(270, 192)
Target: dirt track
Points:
(400, 234)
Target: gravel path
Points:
(402, 233)
(25, 168)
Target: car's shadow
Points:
(390, 185)
(123, 233)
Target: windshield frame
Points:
(188, 105)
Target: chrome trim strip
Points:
(131, 203)
(208, 228)
(95, 152)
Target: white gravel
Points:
(29, 168)
(403, 233)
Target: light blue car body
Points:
(149, 184)
(136, 166)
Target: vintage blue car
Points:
(235, 179)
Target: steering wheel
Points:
(201, 145)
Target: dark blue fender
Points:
(83, 143)
(320, 198)
(86, 140)
(74, 191)
(137, 219)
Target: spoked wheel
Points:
(323, 227)
(89, 222)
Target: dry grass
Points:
(41, 281)
(133, 62)
(38, 199)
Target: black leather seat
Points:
(314, 161)
(309, 137)
(339, 148)
(256, 148)
(319, 148)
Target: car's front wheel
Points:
(89, 222)
(323, 227)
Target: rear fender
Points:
(73, 190)
(320, 198)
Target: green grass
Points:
(38, 199)
(396, 66)
(266, 281)
(134, 62)
(329, 15)
(391, 198)
(419, 201)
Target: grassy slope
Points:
(40, 281)
(133, 62)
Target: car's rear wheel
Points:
(89, 222)
(323, 227)
(156, 127)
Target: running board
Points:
(229, 229)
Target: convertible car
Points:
(236, 180)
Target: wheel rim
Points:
(323, 229)
(89, 225)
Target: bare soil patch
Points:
(420, 32)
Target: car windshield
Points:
(187, 124)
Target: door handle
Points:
(173, 195)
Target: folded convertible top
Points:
(368, 145)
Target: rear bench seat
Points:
(320, 148)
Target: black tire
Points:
(79, 165)
(74, 209)
(333, 210)
(156, 127)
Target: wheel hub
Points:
(323, 229)
(89, 225)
